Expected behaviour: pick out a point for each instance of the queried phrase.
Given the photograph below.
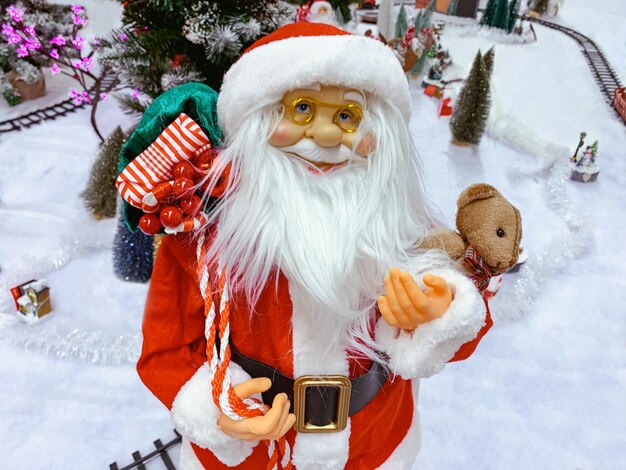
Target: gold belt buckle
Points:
(343, 401)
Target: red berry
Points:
(183, 170)
(192, 205)
(184, 187)
(171, 216)
(149, 224)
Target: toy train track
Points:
(160, 453)
(604, 75)
(109, 81)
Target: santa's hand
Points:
(406, 306)
(272, 425)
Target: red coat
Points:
(174, 350)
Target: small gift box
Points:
(32, 299)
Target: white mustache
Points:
(308, 149)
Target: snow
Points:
(545, 387)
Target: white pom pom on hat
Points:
(301, 55)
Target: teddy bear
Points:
(489, 232)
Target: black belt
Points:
(327, 401)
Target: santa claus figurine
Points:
(291, 330)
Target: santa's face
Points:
(319, 125)
(324, 188)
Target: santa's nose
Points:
(325, 134)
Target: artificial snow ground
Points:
(545, 389)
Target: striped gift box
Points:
(178, 142)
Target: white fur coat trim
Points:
(427, 350)
(195, 416)
(312, 355)
(265, 74)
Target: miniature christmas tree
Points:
(101, 194)
(490, 9)
(501, 15)
(166, 43)
(488, 59)
(472, 109)
(402, 23)
(423, 21)
(132, 254)
(424, 18)
(594, 153)
(513, 14)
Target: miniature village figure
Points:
(584, 167)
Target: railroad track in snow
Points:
(159, 453)
(50, 113)
(602, 71)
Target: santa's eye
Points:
(344, 117)
(303, 108)
(301, 111)
(348, 119)
(500, 233)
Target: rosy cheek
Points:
(286, 134)
(366, 146)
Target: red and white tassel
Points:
(223, 393)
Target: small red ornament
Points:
(149, 224)
(204, 160)
(171, 217)
(192, 205)
(183, 170)
(184, 187)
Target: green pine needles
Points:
(165, 43)
(501, 14)
(472, 108)
(402, 22)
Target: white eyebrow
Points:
(354, 95)
(314, 87)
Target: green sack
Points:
(197, 100)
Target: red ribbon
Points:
(480, 272)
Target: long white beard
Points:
(335, 234)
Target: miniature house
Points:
(32, 300)
(465, 8)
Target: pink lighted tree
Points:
(64, 53)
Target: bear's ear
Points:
(476, 192)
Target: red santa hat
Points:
(302, 55)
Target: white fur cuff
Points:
(427, 350)
(195, 416)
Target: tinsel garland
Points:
(467, 27)
(515, 301)
(95, 347)
(85, 346)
